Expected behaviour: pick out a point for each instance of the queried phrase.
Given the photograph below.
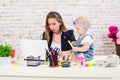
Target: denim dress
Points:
(88, 54)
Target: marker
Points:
(50, 55)
(70, 43)
(51, 59)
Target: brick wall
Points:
(25, 19)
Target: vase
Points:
(117, 46)
(5, 60)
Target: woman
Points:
(57, 34)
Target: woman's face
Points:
(54, 25)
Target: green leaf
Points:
(5, 50)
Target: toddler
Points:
(84, 44)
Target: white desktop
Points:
(44, 72)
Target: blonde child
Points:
(84, 44)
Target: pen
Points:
(70, 43)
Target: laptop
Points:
(34, 47)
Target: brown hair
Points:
(57, 16)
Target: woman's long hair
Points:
(57, 16)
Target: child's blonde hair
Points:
(83, 20)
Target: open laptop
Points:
(34, 47)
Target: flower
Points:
(113, 30)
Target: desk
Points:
(58, 73)
(44, 72)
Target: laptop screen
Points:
(34, 47)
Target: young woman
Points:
(57, 34)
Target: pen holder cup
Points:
(53, 58)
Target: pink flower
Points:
(113, 30)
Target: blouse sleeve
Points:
(68, 35)
(71, 35)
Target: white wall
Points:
(25, 19)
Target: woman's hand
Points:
(71, 56)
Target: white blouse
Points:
(53, 45)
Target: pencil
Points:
(70, 43)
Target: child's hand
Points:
(74, 48)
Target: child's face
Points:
(80, 30)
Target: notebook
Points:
(34, 47)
